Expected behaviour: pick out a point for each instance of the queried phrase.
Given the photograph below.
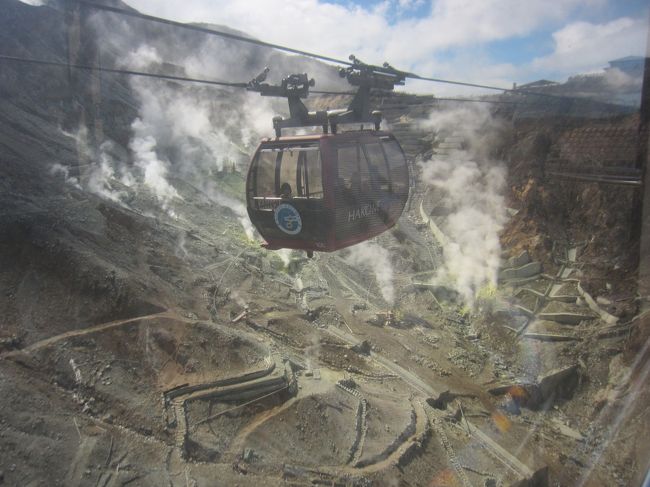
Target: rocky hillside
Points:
(492, 337)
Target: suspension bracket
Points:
(295, 87)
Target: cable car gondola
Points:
(325, 192)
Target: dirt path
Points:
(86, 331)
(413, 380)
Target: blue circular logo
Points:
(288, 219)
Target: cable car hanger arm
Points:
(366, 77)
(295, 87)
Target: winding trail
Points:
(411, 379)
(46, 342)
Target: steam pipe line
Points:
(387, 69)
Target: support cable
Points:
(227, 84)
(381, 69)
(85, 67)
(205, 30)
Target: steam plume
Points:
(469, 186)
(377, 258)
(154, 170)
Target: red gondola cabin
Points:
(325, 192)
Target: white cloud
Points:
(455, 23)
(424, 45)
(340, 30)
(409, 4)
(309, 24)
(583, 46)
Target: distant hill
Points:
(615, 85)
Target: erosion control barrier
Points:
(188, 389)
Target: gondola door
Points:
(286, 196)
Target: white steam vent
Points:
(377, 258)
(468, 186)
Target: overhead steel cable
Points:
(382, 69)
(472, 100)
(205, 30)
(129, 72)
(436, 99)
(321, 92)
(86, 67)
(485, 87)
(226, 84)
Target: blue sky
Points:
(540, 42)
(419, 9)
(484, 41)
(521, 49)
